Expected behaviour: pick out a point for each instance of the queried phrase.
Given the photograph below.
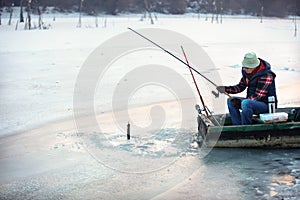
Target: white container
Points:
(274, 117)
(271, 104)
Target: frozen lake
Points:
(68, 93)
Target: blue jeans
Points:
(249, 107)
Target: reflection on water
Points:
(261, 173)
(161, 165)
(240, 173)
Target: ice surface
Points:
(39, 67)
(38, 72)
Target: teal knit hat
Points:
(250, 60)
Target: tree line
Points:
(277, 8)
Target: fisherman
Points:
(259, 80)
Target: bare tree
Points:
(80, 10)
(21, 11)
(40, 17)
(148, 9)
(198, 8)
(96, 20)
(10, 13)
(261, 14)
(29, 14)
(206, 10)
(221, 11)
(17, 24)
(105, 22)
(53, 11)
(295, 34)
(217, 10)
(214, 12)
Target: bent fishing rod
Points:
(205, 108)
(201, 99)
(174, 56)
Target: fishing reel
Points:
(216, 94)
(198, 108)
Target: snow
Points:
(38, 76)
(39, 67)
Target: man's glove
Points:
(236, 102)
(221, 89)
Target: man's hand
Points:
(236, 102)
(221, 89)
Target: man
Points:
(260, 83)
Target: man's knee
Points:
(246, 104)
(229, 101)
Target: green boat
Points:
(218, 131)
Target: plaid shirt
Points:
(261, 91)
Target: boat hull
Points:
(271, 135)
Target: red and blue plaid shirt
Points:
(263, 83)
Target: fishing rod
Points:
(205, 108)
(174, 56)
(201, 99)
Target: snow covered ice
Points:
(43, 156)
